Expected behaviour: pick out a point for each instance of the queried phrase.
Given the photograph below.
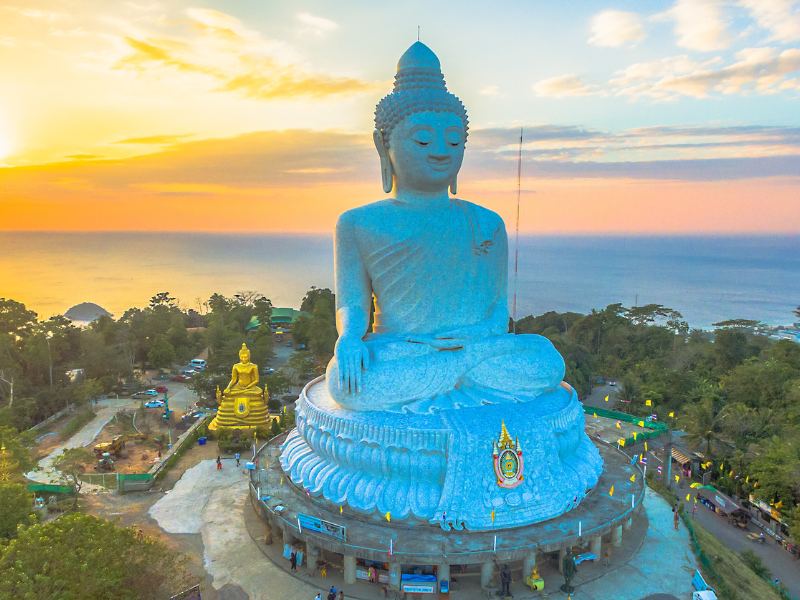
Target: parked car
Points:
(267, 370)
(154, 404)
(189, 372)
(162, 389)
(151, 392)
(197, 363)
(180, 377)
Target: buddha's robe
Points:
(440, 273)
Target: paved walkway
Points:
(663, 565)
(104, 412)
(212, 503)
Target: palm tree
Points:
(704, 425)
(628, 391)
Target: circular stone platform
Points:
(438, 467)
(280, 502)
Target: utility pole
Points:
(11, 388)
(47, 337)
(668, 459)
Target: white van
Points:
(197, 363)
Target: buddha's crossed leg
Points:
(403, 372)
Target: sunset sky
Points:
(645, 117)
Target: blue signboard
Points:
(324, 527)
(418, 584)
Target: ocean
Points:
(706, 278)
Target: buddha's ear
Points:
(454, 185)
(387, 173)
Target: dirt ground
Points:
(141, 449)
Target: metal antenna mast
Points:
(516, 240)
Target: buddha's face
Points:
(426, 150)
(244, 356)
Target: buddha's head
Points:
(244, 354)
(420, 128)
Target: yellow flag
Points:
(634, 436)
(672, 413)
(677, 478)
(645, 446)
(731, 473)
(611, 491)
(341, 510)
(688, 497)
(755, 485)
(640, 423)
(281, 480)
(721, 466)
(492, 515)
(633, 478)
(648, 403)
(747, 479)
(606, 398)
(621, 442)
(779, 504)
(388, 516)
(694, 485)
(619, 426)
(594, 415)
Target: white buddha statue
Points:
(435, 265)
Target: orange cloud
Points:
(299, 181)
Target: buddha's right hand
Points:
(351, 356)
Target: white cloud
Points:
(760, 71)
(613, 28)
(239, 60)
(699, 24)
(780, 17)
(563, 85)
(315, 25)
(489, 90)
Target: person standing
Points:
(675, 517)
(293, 560)
(219, 463)
(341, 595)
(505, 582)
(237, 456)
(318, 596)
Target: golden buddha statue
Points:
(242, 404)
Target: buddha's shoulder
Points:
(486, 216)
(368, 213)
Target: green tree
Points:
(161, 354)
(17, 509)
(72, 464)
(81, 556)
(302, 367)
(731, 348)
(703, 423)
(17, 454)
(629, 390)
(776, 467)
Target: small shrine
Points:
(242, 404)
